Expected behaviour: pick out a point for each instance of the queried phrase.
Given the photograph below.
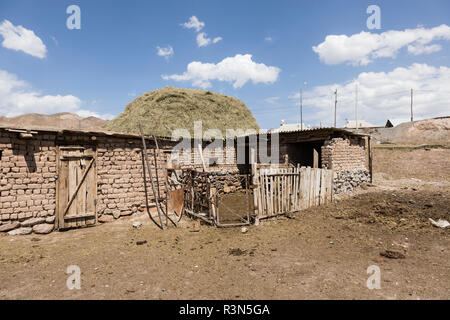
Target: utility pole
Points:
(356, 104)
(412, 94)
(301, 105)
(301, 108)
(335, 107)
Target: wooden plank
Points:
(303, 188)
(315, 158)
(289, 195)
(317, 187)
(277, 193)
(271, 195)
(329, 186)
(312, 175)
(255, 181)
(263, 196)
(80, 199)
(91, 194)
(323, 183)
(71, 208)
(79, 215)
(63, 192)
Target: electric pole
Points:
(412, 94)
(301, 109)
(301, 104)
(335, 107)
(356, 104)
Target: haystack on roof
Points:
(164, 110)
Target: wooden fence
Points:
(283, 190)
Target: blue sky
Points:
(113, 57)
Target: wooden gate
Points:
(76, 187)
(284, 190)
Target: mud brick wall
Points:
(121, 177)
(349, 160)
(28, 170)
(215, 158)
(27, 183)
(344, 154)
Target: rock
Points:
(106, 218)
(440, 223)
(392, 254)
(50, 219)
(20, 231)
(31, 222)
(9, 226)
(244, 229)
(137, 224)
(116, 214)
(43, 228)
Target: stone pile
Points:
(347, 181)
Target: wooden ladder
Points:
(162, 210)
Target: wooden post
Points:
(255, 182)
(315, 158)
(200, 149)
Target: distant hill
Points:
(64, 120)
(167, 109)
(428, 131)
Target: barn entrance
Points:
(76, 187)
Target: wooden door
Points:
(76, 187)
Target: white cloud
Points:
(194, 23)
(268, 39)
(203, 40)
(238, 70)
(364, 47)
(17, 97)
(20, 39)
(272, 100)
(383, 96)
(165, 52)
(420, 49)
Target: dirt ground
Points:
(428, 164)
(321, 253)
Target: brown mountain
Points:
(63, 120)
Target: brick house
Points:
(61, 179)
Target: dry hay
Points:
(167, 109)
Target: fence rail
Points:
(284, 190)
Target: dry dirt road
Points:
(322, 253)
